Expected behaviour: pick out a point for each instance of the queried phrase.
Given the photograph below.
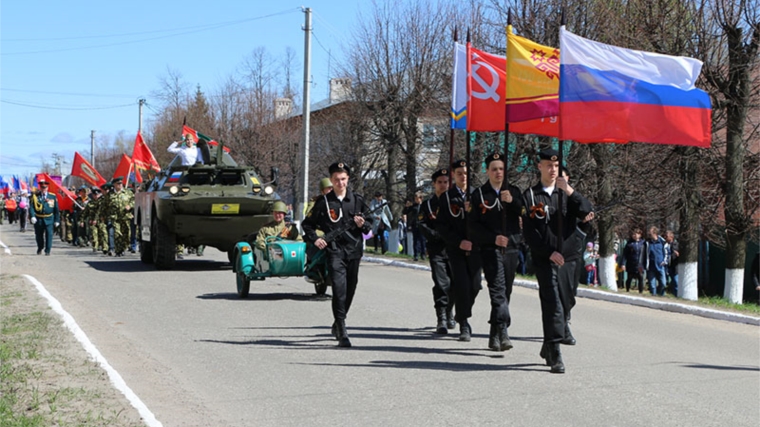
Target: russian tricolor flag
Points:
(612, 94)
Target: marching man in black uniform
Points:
(44, 215)
(494, 220)
(436, 248)
(555, 264)
(464, 257)
(340, 207)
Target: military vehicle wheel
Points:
(164, 244)
(243, 284)
(146, 248)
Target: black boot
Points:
(504, 342)
(494, 342)
(557, 367)
(569, 339)
(546, 354)
(451, 323)
(343, 340)
(334, 329)
(441, 328)
(465, 331)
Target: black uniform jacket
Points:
(486, 217)
(451, 219)
(427, 220)
(540, 228)
(328, 213)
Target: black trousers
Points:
(555, 290)
(499, 269)
(465, 281)
(345, 275)
(441, 271)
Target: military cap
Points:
(548, 154)
(84, 187)
(41, 180)
(458, 164)
(95, 189)
(279, 206)
(117, 180)
(325, 183)
(494, 157)
(439, 173)
(339, 167)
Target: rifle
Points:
(344, 227)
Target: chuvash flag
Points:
(83, 169)
(609, 93)
(532, 79)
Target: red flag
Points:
(142, 157)
(65, 197)
(83, 169)
(124, 169)
(187, 130)
(546, 126)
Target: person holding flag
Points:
(44, 216)
(186, 150)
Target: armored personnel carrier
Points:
(215, 202)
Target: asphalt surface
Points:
(197, 355)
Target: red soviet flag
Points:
(65, 197)
(142, 157)
(83, 169)
(124, 170)
(486, 86)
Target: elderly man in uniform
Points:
(443, 300)
(494, 220)
(555, 255)
(44, 216)
(340, 207)
(464, 257)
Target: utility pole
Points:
(301, 205)
(92, 148)
(139, 125)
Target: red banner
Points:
(65, 197)
(142, 157)
(486, 86)
(83, 169)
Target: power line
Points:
(66, 93)
(47, 107)
(195, 30)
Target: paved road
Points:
(199, 356)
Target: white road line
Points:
(79, 334)
(6, 248)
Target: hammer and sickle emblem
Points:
(490, 89)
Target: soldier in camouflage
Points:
(102, 219)
(119, 213)
(90, 217)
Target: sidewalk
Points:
(607, 296)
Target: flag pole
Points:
(467, 142)
(505, 181)
(560, 203)
(452, 134)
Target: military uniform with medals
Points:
(44, 215)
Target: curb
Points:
(611, 297)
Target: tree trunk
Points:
(605, 221)
(689, 224)
(736, 114)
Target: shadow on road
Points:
(439, 366)
(280, 296)
(722, 368)
(112, 264)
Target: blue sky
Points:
(78, 66)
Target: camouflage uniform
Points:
(283, 229)
(102, 220)
(91, 219)
(119, 213)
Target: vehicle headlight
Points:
(174, 190)
(185, 190)
(268, 189)
(256, 189)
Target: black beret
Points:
(548, 154)
(439, 173)
(339, 167)
(458, 164)
(493, 157)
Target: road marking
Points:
(7, 249)
(116, 379)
